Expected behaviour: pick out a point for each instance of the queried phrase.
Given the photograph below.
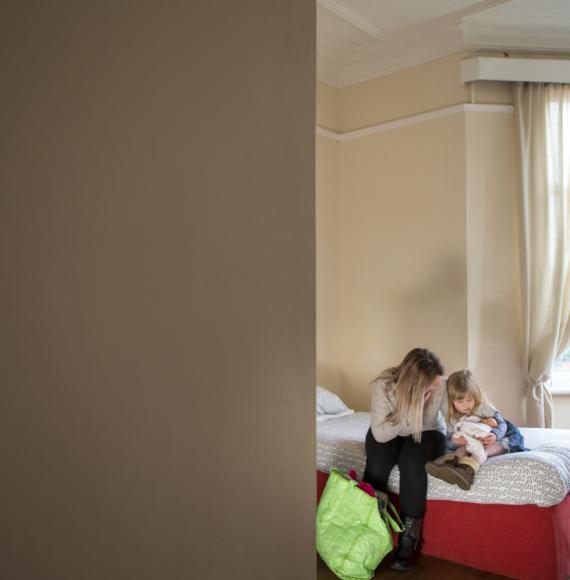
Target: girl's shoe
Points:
(460, 472)
(465, 472)
(442, 467)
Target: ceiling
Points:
(358, 40)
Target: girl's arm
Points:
(450, 443)
(452, 440)
(380, 408)
(488, 410)
(501, 429)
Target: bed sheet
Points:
(540, 476)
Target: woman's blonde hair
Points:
(459, 385)
(410, 379)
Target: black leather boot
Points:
(408, 544)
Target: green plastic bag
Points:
(353, 528)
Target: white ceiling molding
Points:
(403, 40)
(353, 18)
(403, 54)
(411, 46)
(427, 33)
(515, 69)
(412, 120)
(544, 12)
(328, 70)
(517, 36)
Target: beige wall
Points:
(418, 89)
(494, 328)
(157, 341)
(403, 93)
(428, 250)
(328, 359)
(402, 264)
(327, 107)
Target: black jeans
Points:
(411, 458)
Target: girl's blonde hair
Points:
(410, 379)
(459, 385)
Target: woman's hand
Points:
(429, 390)
(458, 440)
(488, 440)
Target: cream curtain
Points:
(543, 123)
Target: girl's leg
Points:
(380, 459)
(461, 452)
(495, 449)
(413, 476)
(514, 439)
(480, 456)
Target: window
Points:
(558, 178)
(561, 375)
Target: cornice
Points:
(517, 36)
(468, 29)
(352, 18)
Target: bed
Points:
(517, 512)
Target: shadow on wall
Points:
(426, 308)
(329, 376)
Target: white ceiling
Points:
(358, 40)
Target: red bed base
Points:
(520, 541)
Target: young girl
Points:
(470, 444)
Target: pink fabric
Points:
(366, 487)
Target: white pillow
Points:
(328, 403)
(321, 418)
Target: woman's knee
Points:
(377, 471)
(434, 442)
(431, 446)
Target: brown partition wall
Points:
(157, 290)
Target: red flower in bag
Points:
(365, 487)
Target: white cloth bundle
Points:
(470, 427)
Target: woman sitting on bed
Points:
(407, 429)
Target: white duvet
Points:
(540, 476)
